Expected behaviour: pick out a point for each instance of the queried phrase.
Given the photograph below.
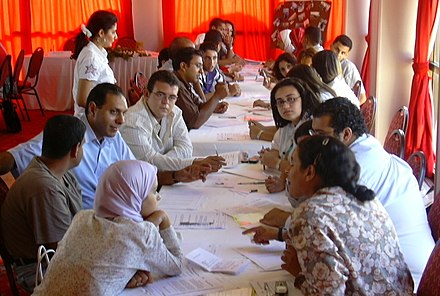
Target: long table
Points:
(229, 131)
(220, 193)
(56, 78)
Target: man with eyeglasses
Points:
(155, 131)
(387, 175)
(188, 66)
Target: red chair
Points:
(399, 121)
(3, 53)
(417, 162)
(357, 88)
(430, 281)
(368, 109)
(434, 218)
(138, 87)
(16, 81)
(29, 84)
(126, 43)
(395, 143)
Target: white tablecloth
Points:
(222, 242)
(56, 78)
(206, 138)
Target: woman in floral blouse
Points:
(341, 240)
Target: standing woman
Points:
(292, 103)
(92, 66)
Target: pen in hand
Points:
(216, 151)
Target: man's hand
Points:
(270, 158)
(275, 184)
(193, 172)
(221, 90)
(159, 218)
(140, 279)
(290, 259)
(275, 217)
(213, 162)
(262, 234)
(221, 108)
(234, 90)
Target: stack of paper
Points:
(213, 263)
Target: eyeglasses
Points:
(289, 101)
(160, 95)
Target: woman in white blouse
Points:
(92, 66)
(103, 248)
(292, 102)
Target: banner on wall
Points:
(298, 15)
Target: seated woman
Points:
(328, 67)
(311, 77)
(306, 55)
(292, 103)
(340, 239)
(104, 247)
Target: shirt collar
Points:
(167, 120)
(89, 135)
(101, 52)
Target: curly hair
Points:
(343, 114)
(309, 100)
(335, 164)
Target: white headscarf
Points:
(285, 37)
(122, 189)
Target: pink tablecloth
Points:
(56, 78)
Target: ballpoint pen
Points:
(216, 151)
(251, 183)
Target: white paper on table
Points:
(252, 171)
(235, 292)
(268, 257)
(232, 137)
(213, 263)
(267, 286)
(232, 158)
(197, 220)
(184, 200)
(224, 121)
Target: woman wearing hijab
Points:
(104, 247)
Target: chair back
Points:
(434, 218)
(357, 88)
(417, 161)
(6, 257)
(43, 259)
(368, 109)
(34, 66)
(395, 143)
(126, 42)
(429, 283)
(399, 121)
(138, 87)
(18, 66)
(3, 53)
(5, 71)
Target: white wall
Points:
(147, 22)
(357, 28)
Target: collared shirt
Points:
(208, 80)
(92, 65)
(96, 158)
(188, 102)
(165, 144)
(343, 90)
(396, 188)
(351, 74)
(284, 141)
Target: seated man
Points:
(188, 65)
(341, 46)
(41, 204)
(212, 74)
(155, 131)
(312, 38)
(103, 145)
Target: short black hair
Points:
(162, 76)
(326, 64)
(216, 22)
(309, 100)
(213, 36)
(208, 45)
(184, 55)
(334, 163)
(99, 93)
(61, 133)
(302, 130)
(287, 57)
(344, 40)
(343, 114)
(164, 55)
(314, 34)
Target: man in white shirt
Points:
(387, 175)
(341, 46)
(312, 38)
(155, 131)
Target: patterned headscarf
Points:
(122, 189)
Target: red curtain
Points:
(49, 23)
(419, 135)
(365, 72)
(252, 20)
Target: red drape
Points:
(49, 23)
(365, 72)
(252, 20)
(419, 134)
